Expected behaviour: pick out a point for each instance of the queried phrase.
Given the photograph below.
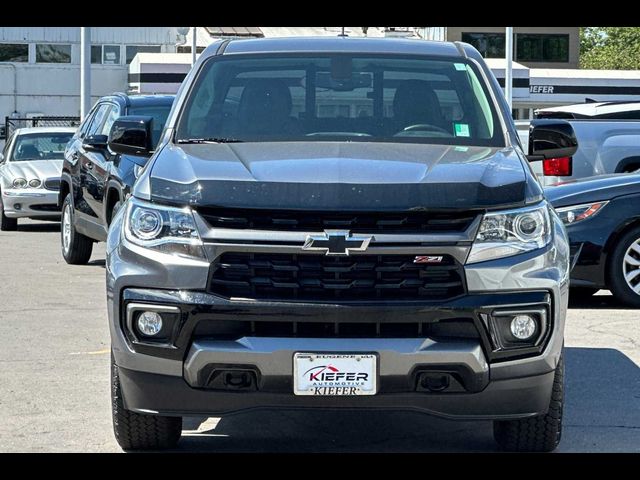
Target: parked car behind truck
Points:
(602, 216)
(30, 166)
(95, 180)
(360, 229)
(609, 137)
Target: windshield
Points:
(159, 114)
(313, 97)
(40, 146)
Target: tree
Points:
(610, 48)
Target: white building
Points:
(40, 66)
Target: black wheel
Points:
(582, 292)
(541, 433)
(134, 431)
(76, 248)
(6, 224)
(624, 268)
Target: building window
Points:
(133, 49)
(14, 52)
(490, 45)
(542, 47)
(96, 53)
(53, 53)
(105, 54)
(183, 49)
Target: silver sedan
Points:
(30, 168)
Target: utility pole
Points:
(508, 72)
(194, 43)
(85, 71)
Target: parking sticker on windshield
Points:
(460, 66)
(462, 129)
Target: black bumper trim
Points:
(168, 395)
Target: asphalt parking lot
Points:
(54, 376)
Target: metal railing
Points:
(13, 123)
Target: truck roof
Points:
(339, 44)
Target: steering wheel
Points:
(425, 126)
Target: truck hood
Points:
(593, 189)
(32, 169)
(336, 176)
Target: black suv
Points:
(95, 181)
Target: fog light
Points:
(17, 206)
(149, 323)
(523, 327)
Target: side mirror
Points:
(131, 135)
(551, 138)
(95, 143)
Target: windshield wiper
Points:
(209, 140)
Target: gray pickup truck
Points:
(609, 138)
(338, 223)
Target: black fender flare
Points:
(624, 163)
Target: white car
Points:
(30, 168)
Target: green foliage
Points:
(610, 48)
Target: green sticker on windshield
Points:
(462, 129)
(460, 66)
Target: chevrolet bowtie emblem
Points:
(337, 242)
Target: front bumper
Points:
(30, 202)
(173, 379)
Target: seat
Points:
(265, 109)
(414, 103)
(28, 152)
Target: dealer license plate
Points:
(328, 374)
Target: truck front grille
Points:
(234, 329)
(310, 277)
(309, 221)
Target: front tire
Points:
(134, 431)
(541, 433)
(624, 268)
(76, 248)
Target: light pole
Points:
(85, 71)
(194, 43)
(508, 71)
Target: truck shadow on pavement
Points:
(602, 301)
(40, 227)
(602, 413)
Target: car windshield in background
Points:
(40, 146)
(159, 114)
(311, 97)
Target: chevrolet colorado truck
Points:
(338, 223)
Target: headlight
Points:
(20, 183)
(165, 229)
(510, 232)
(577, 213)
(35, 183)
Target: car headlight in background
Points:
(164, 229)
(20, 183)
(510, 232)
(35, 183)
(577, 213)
